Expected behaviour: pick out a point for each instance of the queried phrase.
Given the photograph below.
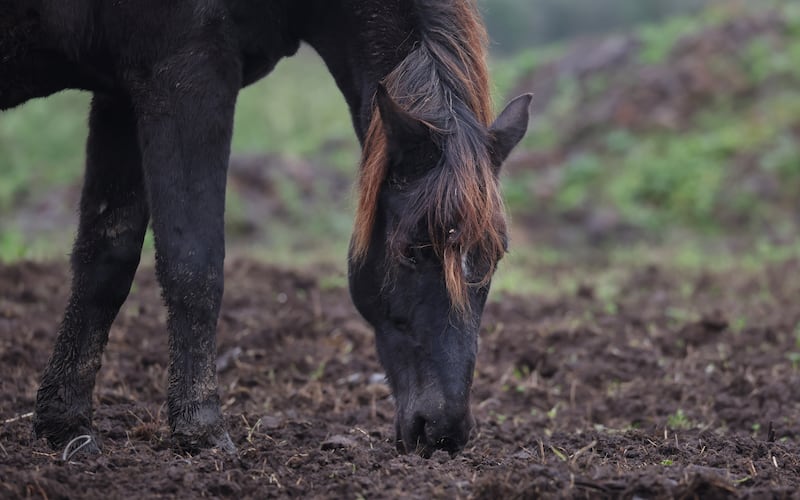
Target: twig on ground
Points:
(18, 417)
(582, 451)
(68, 453)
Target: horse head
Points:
(423, 277)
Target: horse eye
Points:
(407, 259)
(400, 323)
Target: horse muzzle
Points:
(433, 425)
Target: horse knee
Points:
(190, 273)
(115, 272)
(104, 267)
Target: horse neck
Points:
(361, 41)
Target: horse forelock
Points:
(444, 83)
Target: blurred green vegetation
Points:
(519, 24)
(296, 110)
(41, 145)
(732, 160)
(688, 188)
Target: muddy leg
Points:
(186, 121)
(113, 221)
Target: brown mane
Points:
(444, 83)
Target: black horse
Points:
(165, 75)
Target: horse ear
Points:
(508, 129)
(402, 129)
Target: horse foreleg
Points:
(113, 221)
(186, 121)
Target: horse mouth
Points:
(418, 439)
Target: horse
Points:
(429, 225)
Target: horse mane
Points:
(444, 83)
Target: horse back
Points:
(102, 45)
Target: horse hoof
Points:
(78, 442)
(201, 428)
(209, 438)
(70, 436)
(224, 443)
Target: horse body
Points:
(165, 76)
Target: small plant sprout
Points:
(678, 420)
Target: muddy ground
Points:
(667, 384)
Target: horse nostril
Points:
(451, 438)
(452, 432)
(449, 445)
(412, 438)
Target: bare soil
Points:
(670, 385)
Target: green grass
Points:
(662, 179)
(702, 176)
(658, 40)
(507, 71)
(41, 145)
(295, 111)
(551, 272)
(678, 420)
